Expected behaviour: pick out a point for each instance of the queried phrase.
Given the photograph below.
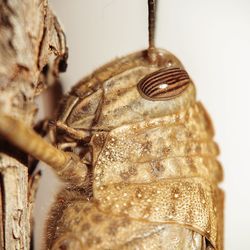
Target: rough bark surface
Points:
(32, 53)
(15, 226)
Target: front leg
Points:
(68, 166)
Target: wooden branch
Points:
(14, 221)
(32, 53)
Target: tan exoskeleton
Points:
(138, 156)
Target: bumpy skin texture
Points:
(152, 165)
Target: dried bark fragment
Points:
(32, 53)
(14, 221)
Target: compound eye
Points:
(163, 84)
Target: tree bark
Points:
(32, 53)
(15, 226)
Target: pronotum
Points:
(137, 153)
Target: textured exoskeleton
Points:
(152, 169)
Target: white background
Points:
(212, 39)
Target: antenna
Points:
(151, 30)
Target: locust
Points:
(136, 151)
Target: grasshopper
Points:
(136, 150)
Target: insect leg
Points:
(67, 165)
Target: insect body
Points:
(152, 159)
(139, 159)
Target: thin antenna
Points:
(152, 4)
(29, 141)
